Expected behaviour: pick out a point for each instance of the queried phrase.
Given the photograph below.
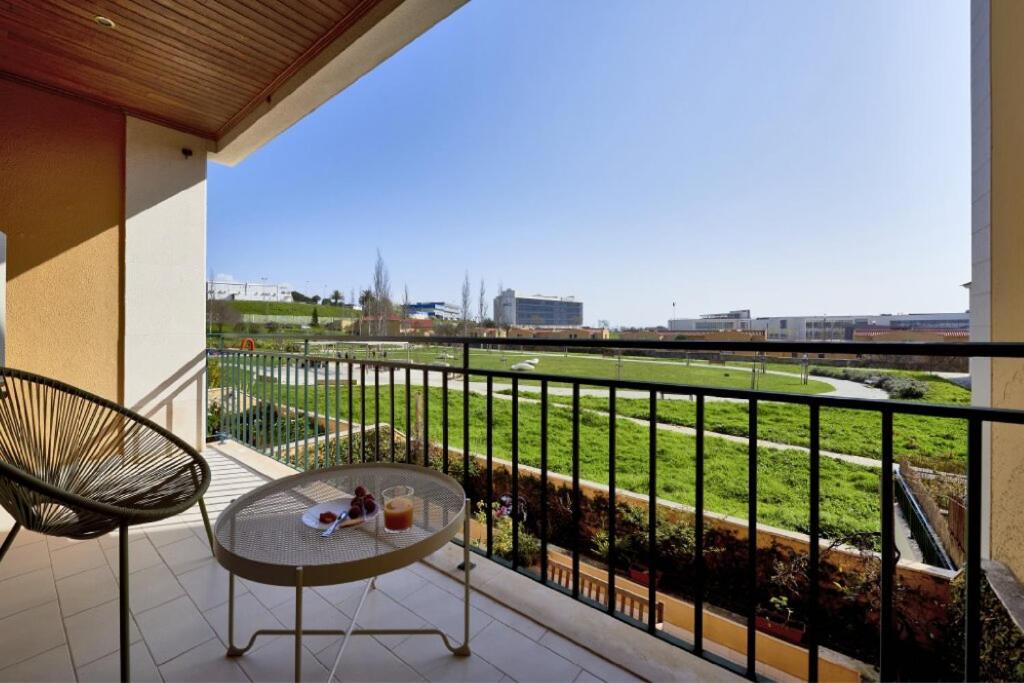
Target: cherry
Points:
(360, 492)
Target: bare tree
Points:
(221, 312)
(465, 305)
(481, 313)
(497, 311)
(381, 294)
(405, 302)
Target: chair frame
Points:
(124, 516)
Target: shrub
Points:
(897, 386)
(501, 535)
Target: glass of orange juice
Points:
(397, 507)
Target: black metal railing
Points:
(254, 384)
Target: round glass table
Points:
(261, 537)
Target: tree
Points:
(405, 302)
(381, 294)
(315, 321)
(300, 297)
(465, 305)
(337, 297)
(221, 311)
(481, 313)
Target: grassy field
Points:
(849, 493)
(292, 308)
(935, 443)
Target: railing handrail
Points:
(910, 348)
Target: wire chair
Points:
(76, 465)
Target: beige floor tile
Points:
(340, 593)
(94, 633)
(151, 587)
(366, 659)
(276, 662)
(521, 658)
(433, 661)
(173, 628)
(381, 612)
(317, 613)
(599, 667)
(528, 627)
(29, 633)
(141, 555)
(269, 596)
(168, 531)
(206, 663)
(25, 591)
(587, 677)
(23, 559)
(75, 558)
(24, 537)
(185, 555)
(401, 583)
(250, 616)
(52, 665)
(86, 589)
(109, 668)
(208, 585)
(446, 611)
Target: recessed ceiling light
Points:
(104, 21)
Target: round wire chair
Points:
(76, 465)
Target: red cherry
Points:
(360, 492)
(369, 506)
(355, 512)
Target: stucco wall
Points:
(165, 263)
(60, 206)
(1006, 63)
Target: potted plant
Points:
(778, 621)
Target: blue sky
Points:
(789, 157)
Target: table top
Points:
(261, 536)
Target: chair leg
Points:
(9, 540)
(125, 625)
(206, 522)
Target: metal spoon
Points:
(342, 516)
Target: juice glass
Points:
(397, 508)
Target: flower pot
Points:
(790, 631)
(643, 577)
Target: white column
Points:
(165, 275)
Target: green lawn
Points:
(292, 308)
(849, 493)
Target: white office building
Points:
(247, 291)
(818, 327)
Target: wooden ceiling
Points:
(196, 65)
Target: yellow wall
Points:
(61, 195)
(1007, 284)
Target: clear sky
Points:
(788, 157)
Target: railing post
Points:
(974, 577)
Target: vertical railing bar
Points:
(752, 540)
(612, 559)
(576, 490)
(282, 404)
(698, 532)
(408, 415)
(243, 394)
(426, 418)
(337, 411)
(490, 465)
(544, 481)
(265, 411)
(886, 638)
(316, 414)
(291, 410)
(305, 412)
(351, 412)
(813, 566)
(362, 410)
(391, 405)
(465, 415)
(515, 473)
(376, 413)
(972, 610)
(652, 514)
(444, 420)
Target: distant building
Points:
(820, 327)
(733, 321)
(537, 310)
(247, 291)
(438, 310)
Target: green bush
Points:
(897, 386)
(501, 536)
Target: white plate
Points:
(311, 517)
